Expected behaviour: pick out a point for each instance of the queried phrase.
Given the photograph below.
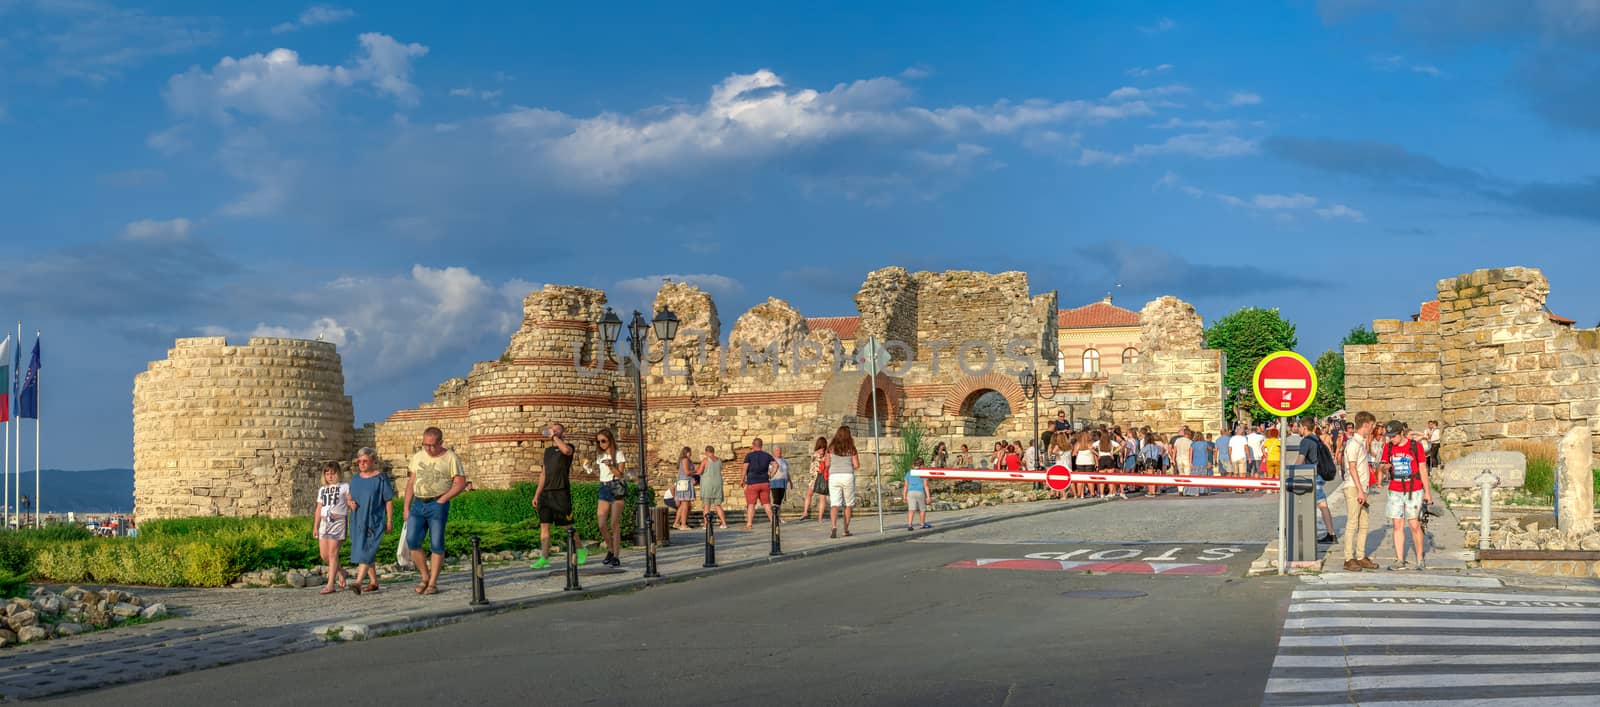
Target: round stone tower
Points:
(237, 430)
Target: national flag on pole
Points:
(28, 399)
(5, 379)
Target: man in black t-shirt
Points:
(757, 483)
(552, 500)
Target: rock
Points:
(1170, 324)
(98, 617)
(8, 636)
(1532, 528)
(50, 604)
(136, 601)
(1575, 483)
(124, 610)
(1589, 542)
(21, 619)
(29, 634)
(90, 597)
(296, 580)
(72, 629)
(154, 611)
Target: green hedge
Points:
(515, 505)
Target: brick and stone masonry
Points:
(1495, 366)
(237, 430)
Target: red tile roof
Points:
(1099, 314)
(1430, 313)
(845, 327)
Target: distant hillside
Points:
(93, 491)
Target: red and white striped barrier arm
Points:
(1096, 477)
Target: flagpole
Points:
(16, 392)
(7, 435)
(38, 506)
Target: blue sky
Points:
(396, 177)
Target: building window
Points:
(1061, 363)
(1091, 361)
(1130, 356)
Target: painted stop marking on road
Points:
(1058, 478)
(1285, 383)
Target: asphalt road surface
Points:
(924, 622)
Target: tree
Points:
(1360, 335)
(1246, 336)
(1330, 384)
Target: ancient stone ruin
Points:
(956, 342)
(237, 430)
(1493, 364)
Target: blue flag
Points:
(28, 399)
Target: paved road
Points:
(1470, 646)
(893, 624)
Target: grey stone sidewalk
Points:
(221, 626)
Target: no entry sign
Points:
(1058, 478)
(1285, 383)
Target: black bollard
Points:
(477, 575)
(711, 545)
(572, 561)
(777, 542)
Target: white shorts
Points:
(1403, 505)
(842, 490)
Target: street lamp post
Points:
(666, 329)
(1030, 388)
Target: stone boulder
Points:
(772, 327)
(1463, 472)
(1575, 483)
(1170, 324)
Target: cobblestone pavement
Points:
(222, 626)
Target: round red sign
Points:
(1285, 383)
(1058, 478)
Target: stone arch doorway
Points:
(983, 403)
(890, 399)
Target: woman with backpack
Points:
(1105, 460)
(1151, 455)
(818, 485)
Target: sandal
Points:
(421, 586)
(431, 590)
(327, 590)
(370, 588)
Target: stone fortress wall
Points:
(237, 430)
(775, 376)
(1496, 366)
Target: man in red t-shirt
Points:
(1406, 466)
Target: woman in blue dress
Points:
(374, 514)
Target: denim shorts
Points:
(608, 495)
(427, 517)
(1321, 496)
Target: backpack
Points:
(1326, 469)
(1406, 476)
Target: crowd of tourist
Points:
(362, 509)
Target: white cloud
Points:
(1198, 145)
(1244, 98)
(919, 71)
(469, 92)
(756, 116)
(1213, 125)
(251, 158)
(168, 142)
(276, 85)
(1129, 92)
(1282, 206)
(1162, 25)
(647, 286)
(148, 230)
(374, 320)
(1341, 211)
(1396, 62)
(1143, 71)
(315, 16)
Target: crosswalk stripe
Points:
(1391, 609)
(1435, 646)
(1435, 622)
(1343, 661)
(1432, 595)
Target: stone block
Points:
(1463, 472)
(1575, 482)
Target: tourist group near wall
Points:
(955, 338)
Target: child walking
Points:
(333, 509)
(916, 496)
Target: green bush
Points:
(914, 445)
(12, 584)
(515, 505)
(16, 555)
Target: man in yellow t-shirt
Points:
(437, 476)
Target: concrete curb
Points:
(362, 628)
